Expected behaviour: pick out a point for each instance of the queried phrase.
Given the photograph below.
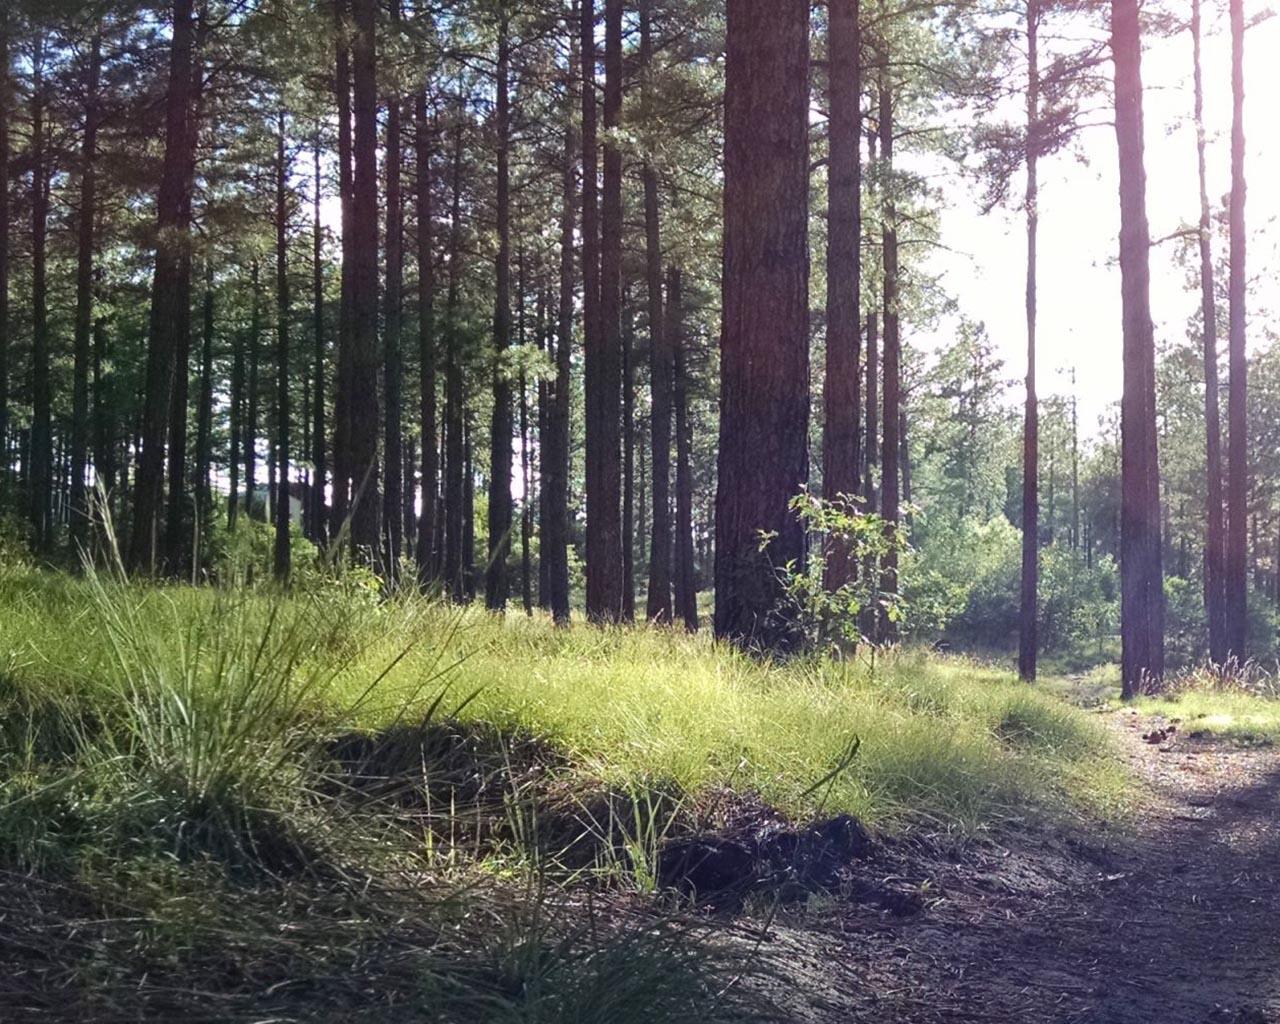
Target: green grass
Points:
(296, 800)
(949, 741)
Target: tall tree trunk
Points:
(455, 565)
(1028, 643)
(318, 524)
(1215, 526)
(342, 470)
(251, 402)
(40, 474)
(628, 460)
(235, 425)
(1141, 583)
(169, 298)
(468, 511)
(496, 583)
(427, 556)
(526, 506)
(362, 399)
(6, 102)
(281, 561)
(204, 413)
(104, 462)
(658, 608)
(1237, 585)
(555, 456)
(393, 360)
(891, 451)
(85, 245)
(764, 346)
(603, 351)
(841, 396)
(684, 576)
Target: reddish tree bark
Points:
(764, 346)
(427, 556)
(841, 396)
(891, 451)
(1141, 572)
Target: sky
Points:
(1079, 281)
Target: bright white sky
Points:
(1079, 319)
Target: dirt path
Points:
(1179, 924)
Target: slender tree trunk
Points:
(204, 412)
(251, 416)
(342, 470)
(362, 400)
(891, 452)
(841, 454)
(85, 246)
(393, 360)
(1215, 527)
(235, 425)
(1028, 644)
(468, 512)
(6, 103)
(427, 556)
(659, 607)
(526, 508)
(555, 465)
(1142, 595)
(455, 567)
(605, 562)
(547, 344)
(40, 474)
(497, 585)
(319, 469)
(764, 347)
(628, 461)
(282, 560)
(169, 298)
(685, 575)
(1236, 585)
(103, 408)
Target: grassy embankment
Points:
(328, 799)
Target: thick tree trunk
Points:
(362, 400)
(169, 298)
(318, 523)
(891, 452)
(427, 556)
(1237, 584)
(1142, 595)
(841, 395)
(104, 415)
(685, 575)
(455, 564)
(1215, 523)
(496, 583)
(1028, 644)
(85, 246)
(392, 357)
(40, 473)
(281, 562)
(603, 349)
(658, 607)
(764, 347)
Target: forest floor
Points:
(1173, 917)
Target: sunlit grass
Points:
(951, 742)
